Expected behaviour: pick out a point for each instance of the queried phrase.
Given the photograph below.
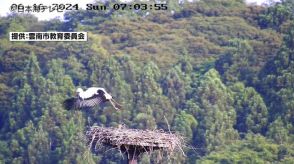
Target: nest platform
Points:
(133, 142)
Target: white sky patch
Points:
(260, 2)
(5, 6)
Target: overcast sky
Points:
(5, 6)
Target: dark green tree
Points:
(252, 113)
(216, 115)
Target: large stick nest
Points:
(135, 139)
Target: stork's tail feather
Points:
(116, 105)
(68, 104)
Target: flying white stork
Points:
(91, 97)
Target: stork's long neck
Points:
(108, 96)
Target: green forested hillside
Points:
(221, 72)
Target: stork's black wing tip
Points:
(68, 104)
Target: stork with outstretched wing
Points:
(91, 97)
